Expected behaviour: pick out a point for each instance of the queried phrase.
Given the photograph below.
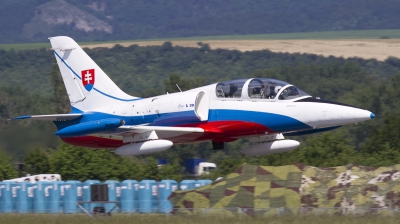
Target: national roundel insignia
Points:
(88, 79)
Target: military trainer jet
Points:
(261, 109)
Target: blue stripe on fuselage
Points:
(275, 122)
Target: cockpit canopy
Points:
(258, 88)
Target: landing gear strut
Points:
(218, 145)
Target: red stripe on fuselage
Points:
(219, 131)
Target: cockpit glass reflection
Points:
(230, 89)
(259, 88)
(291, 92)
(264, 88)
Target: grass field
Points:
(353, 34)
(192, 219)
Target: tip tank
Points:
(147, 147)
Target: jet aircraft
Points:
(261, 109)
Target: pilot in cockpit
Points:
(258, 88)
(289, 93)
(270, 92)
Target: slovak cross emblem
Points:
(88, 79)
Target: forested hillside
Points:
(141, 71)
(30, 84)
(94, 20)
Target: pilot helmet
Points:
(277, 88)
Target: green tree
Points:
(171, 171)
(7, 171)
(16, 137)
(37, 162)
(150, 169)
(76, 163)
(184, 84)
(60, 97)
(385, 137)
(204, 47)
(383, 147)
(325, 150)
(173, 80)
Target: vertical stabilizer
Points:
(87, 85)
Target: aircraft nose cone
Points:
(362, 115)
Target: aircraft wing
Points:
(49, 117)
(142, 129)
(128, 131)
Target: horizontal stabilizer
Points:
(49, 117)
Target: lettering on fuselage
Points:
(185, 105)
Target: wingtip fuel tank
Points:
(147, 147)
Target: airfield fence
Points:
(286, 211)
(241, 212)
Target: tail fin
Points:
(88, 87)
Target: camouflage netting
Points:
(246, 188)
(351, 189)
(296, 188)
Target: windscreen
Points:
(291, 92)
(264, 88)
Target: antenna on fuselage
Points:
(178, 87)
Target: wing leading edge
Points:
(49, 117)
